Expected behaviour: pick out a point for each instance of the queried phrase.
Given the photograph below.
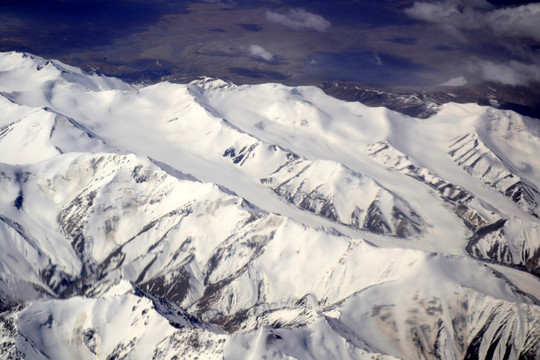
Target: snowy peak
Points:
(24, 72)
(42, 134)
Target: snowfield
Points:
(215, 221)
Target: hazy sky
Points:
(377, 42)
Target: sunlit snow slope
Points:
(214, 221)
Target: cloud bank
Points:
(260, 52)
(486, 29)
(299, 19)
(521, 21)
(509, 73)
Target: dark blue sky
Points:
(375, 42)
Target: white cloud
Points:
(450, 12)
(299, 19)
(521, 21)
(475, 21)
(260, 52)
(509, 73)
(377, 59)
(457, 81)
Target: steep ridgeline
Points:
(512, 241)
(479, 161)
(329, 189)
(339, 194)
(216, 221)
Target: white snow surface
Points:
(218, 221)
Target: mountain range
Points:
(210, 220)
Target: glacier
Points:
(215, 221)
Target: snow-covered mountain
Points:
(209, 220)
